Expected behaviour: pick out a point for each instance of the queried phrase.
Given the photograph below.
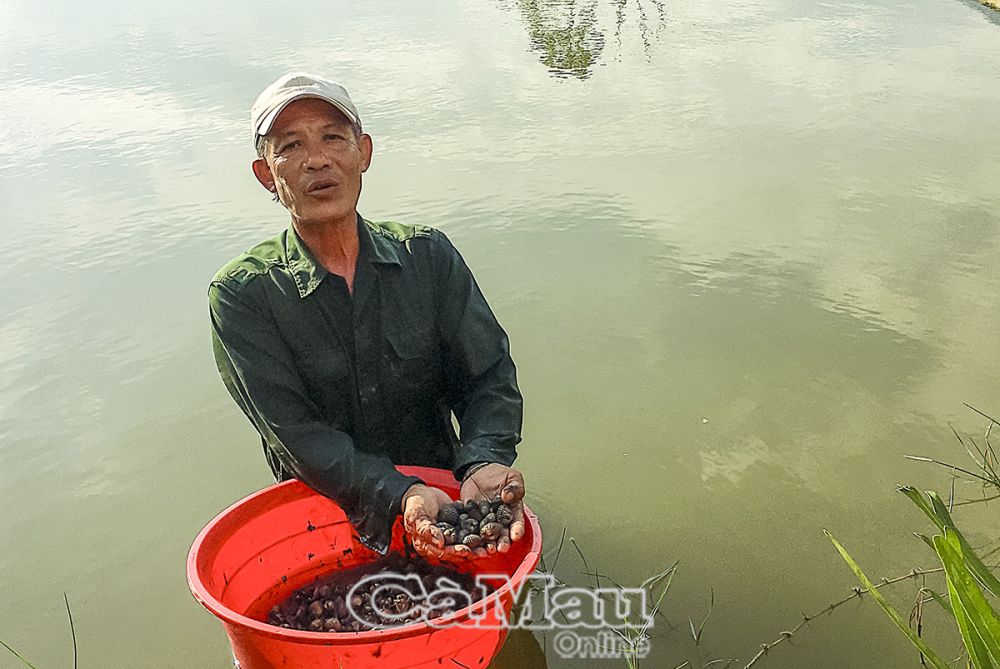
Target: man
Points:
(349, 343)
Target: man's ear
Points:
(263, 174)
(366, 147)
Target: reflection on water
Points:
(991, 13)
(622, 9)
(564, 34)
(568, 34)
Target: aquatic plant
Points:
(970, 583)
(629, 639)
(72, 631)
(984, 473)
(18, 655)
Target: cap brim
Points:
(265, 124)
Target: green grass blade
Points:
(18, 656)
(669, 575)
(922, 504)
(976, 566)
(651, 582)
(970, 559)
(978, 654)
(926, 539)
(939, 515)
(940, 509)
(942, 602)
(980, 615)
(921, 645)
(704, 621)
(72, 629)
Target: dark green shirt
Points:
(342, 386)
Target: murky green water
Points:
(747, 255)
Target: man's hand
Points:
(496, 480)
(421, 504)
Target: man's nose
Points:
(317, 159)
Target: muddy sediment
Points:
(392, 591)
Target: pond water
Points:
(746, 254)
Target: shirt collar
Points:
(373, 247)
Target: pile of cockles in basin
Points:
(474, 523)
(391, 591)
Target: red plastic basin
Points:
(256, 552)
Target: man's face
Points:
(313, 161)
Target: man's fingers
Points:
(517, 522)
(503, 543)
(491, 547)
(516, 531)
(427, 550)
(423, 527)
(480, 552)
(458, 552)
(513, 491)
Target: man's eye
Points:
(289, 146)
(334, 138)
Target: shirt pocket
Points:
(414, 361)
(321, 366)
(328, 379)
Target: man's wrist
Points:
(475, 466)
(401, 506)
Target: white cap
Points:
(293, 86)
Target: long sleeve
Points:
(258, 368)
(482, 381)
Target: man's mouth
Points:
(321, 186)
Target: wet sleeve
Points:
(258, 369)
(482, 379)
